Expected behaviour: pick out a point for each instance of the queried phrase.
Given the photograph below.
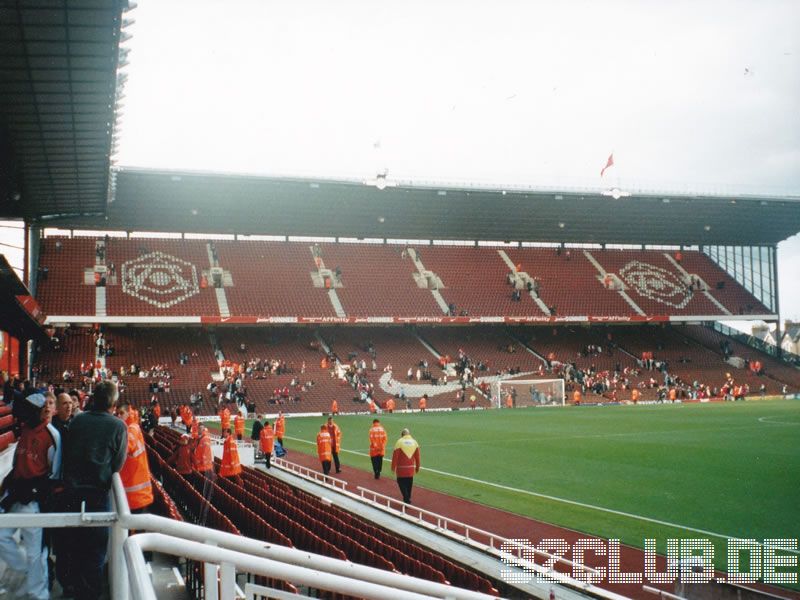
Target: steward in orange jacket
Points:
(576, 397)
(203, 456)
(280, 428)
(334, 408)
(377, 447)
(181, 458)
(635, 394)
(266, 440)
(406, 463)
(135, 472)
(336, 442)
(324, 448)
(423, 403)
(231, 467)
(224, 420)
(238, 427)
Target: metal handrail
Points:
(446, 524)
(310, 474)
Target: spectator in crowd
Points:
(135, 473)
(63, 414)
(267, 443)
(406, 463)
(255, 431)
(336, 442)
(95, 449)
(324, 448)
(37, 461)
(377, 447)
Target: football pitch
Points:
(712, 471)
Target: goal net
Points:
(528, 392)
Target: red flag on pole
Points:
(609, 163)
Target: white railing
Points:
(661, 593)
(518, 553)
(310, 474)
(223, 555)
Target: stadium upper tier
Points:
(112, 280)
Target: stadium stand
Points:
(280, 281)
(300, 519)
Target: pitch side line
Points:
(557, 499)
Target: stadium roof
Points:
(58, 87)
(214, 203)
(20, 314)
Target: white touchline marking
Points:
(178, 577)
(557, 499)
(766, 422)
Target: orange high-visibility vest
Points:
(203, 457)
(576, 397)
(423, 403)
(267, 439)
(182, 459)
(673, 394)
(377, 441)
(238, 425)
(135, 472)
(230, 466)
(194, 430)
(280, 427)
(335, 407)
(635, 395)
(225, 420)
(336, 436)
(324, 445)
(186, 415)
(390, 404)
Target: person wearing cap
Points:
(406, 463)
(95, 449)
(181, 457)
(37, 461)
(377, 447)
(324, 448)
(336, 443)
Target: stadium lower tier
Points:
(113, 279)
(265, 508)
(304, 370)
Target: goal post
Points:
(520, 393)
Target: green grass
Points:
(712, 467)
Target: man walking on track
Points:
(377, 447)
(405, 463)
(336, 443)
(324, 448)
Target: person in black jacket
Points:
(96, 448)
